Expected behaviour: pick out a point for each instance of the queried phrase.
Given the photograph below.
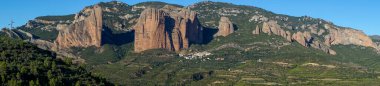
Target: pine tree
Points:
(31, 83)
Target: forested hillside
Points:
(22, 64)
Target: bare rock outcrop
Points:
(335, 36)
(190, 25)
(46, 45)
(43, 44)
(302, 38)
(347, 36)
(256, 31)
(225, 27)
(150, 31)
(271, 27)
(306, 40)
(10, 33)
(85, 31)
(172, 29)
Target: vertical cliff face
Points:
(190, 25)
(347, 36)
(302, 38)
(308, 38)
(85, 31)
(150, 31)
(225, 27)
(164, 28)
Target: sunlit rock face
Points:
(335, 36)
(225, 27)
(172, 29)
(85, 31)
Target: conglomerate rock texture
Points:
(85, 31)
(335, 36)
(172, 29)
(347, 36)
(225, 27)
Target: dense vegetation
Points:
(114, 18)
(42, 34)
(23, 63)
(107, 54)
(57, 18)
(156, 4)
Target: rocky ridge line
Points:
(335, 36)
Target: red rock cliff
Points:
(164, 28)
(85, 31)
(225, 27)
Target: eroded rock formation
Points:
(256, 31)
(225, 27)
(306, 38)
(271, 27)
(302, 37)
(172, 29)
(85, 31)
(347, 36)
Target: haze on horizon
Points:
(357, 14)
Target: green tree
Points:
(31, 83)
(47, 62)
(53, 65)
(3, 67)
(23, 70)
(12, 82)
(78, 83)
(23, 64)
(49, 74)
(52, 82)
(3, 71)
(18, 75)
(37, 82)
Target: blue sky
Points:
(358, 14)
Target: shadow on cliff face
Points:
(309, 42)
(169, 23)
(117, 39)
(208, 34)
(235, 27)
